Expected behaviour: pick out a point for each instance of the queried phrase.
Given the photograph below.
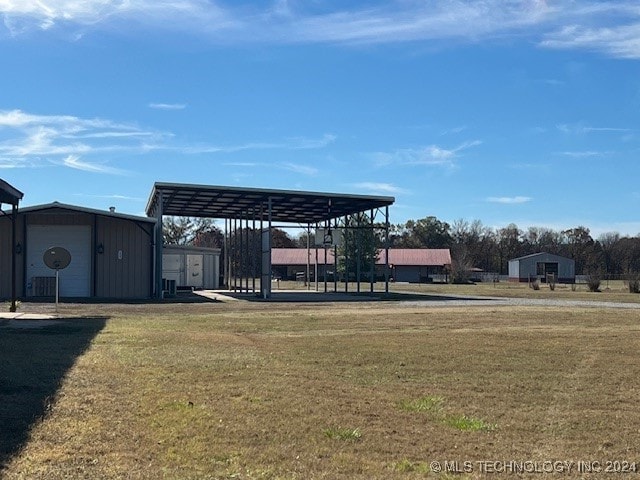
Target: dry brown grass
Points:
(272, 391)
(611, 291)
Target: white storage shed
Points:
(191, 267)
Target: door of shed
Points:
(194, 271)
(75, 279)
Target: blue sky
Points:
(502, 111)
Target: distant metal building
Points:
(111, 253)
(540, 266)
(415, 265)
(418, 265)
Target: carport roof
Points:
(8, 194)
(290, 206)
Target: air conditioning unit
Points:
(43, 286)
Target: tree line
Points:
(472, 244)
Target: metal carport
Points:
(237, 204)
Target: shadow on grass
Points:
(35, 357)
(185, 296)
(426, 297)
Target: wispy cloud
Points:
(301, 143)
(289, 166)
(39, 140)
(432, 155)
(583, 154)
(293, 143)
(298, 168)
(30, 140)
(509, 200)
(454, 130)
(168, 106)
(114, 196)
(609, 27)
(586, 129)
(73, 161)
(375, 187)
(26, 15)
(530, 166)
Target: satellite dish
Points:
(57, 258)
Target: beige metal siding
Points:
(60, 218)
(123, 270)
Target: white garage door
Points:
(75, 279)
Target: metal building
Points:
(418, 265)
(542, 266)
(111, 253)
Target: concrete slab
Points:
(289, 296)
(26, 316)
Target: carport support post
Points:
(358, 257)
(266, 287)
(373, 258)
(335, 258)
(248, 255)
(308, 279)
(386, 249)
(227, 253)
(316, 266)
(159, 239)
(254, 266)
(327, 227)
(240, 253)
(236, 263)
(14, 214)
(346, 254)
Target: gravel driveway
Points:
(467, 300)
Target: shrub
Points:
(535, 284)
(593, 282)
(634, 283)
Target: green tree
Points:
(281, 239)
(185, 230)
(358, 250)
(177, 230)
(428, 232)
(509, 245)
(580, 246)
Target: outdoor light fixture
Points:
(100, 249)
(18, 248)
(328, 237)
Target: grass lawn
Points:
(610, 291)
(304, 391)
